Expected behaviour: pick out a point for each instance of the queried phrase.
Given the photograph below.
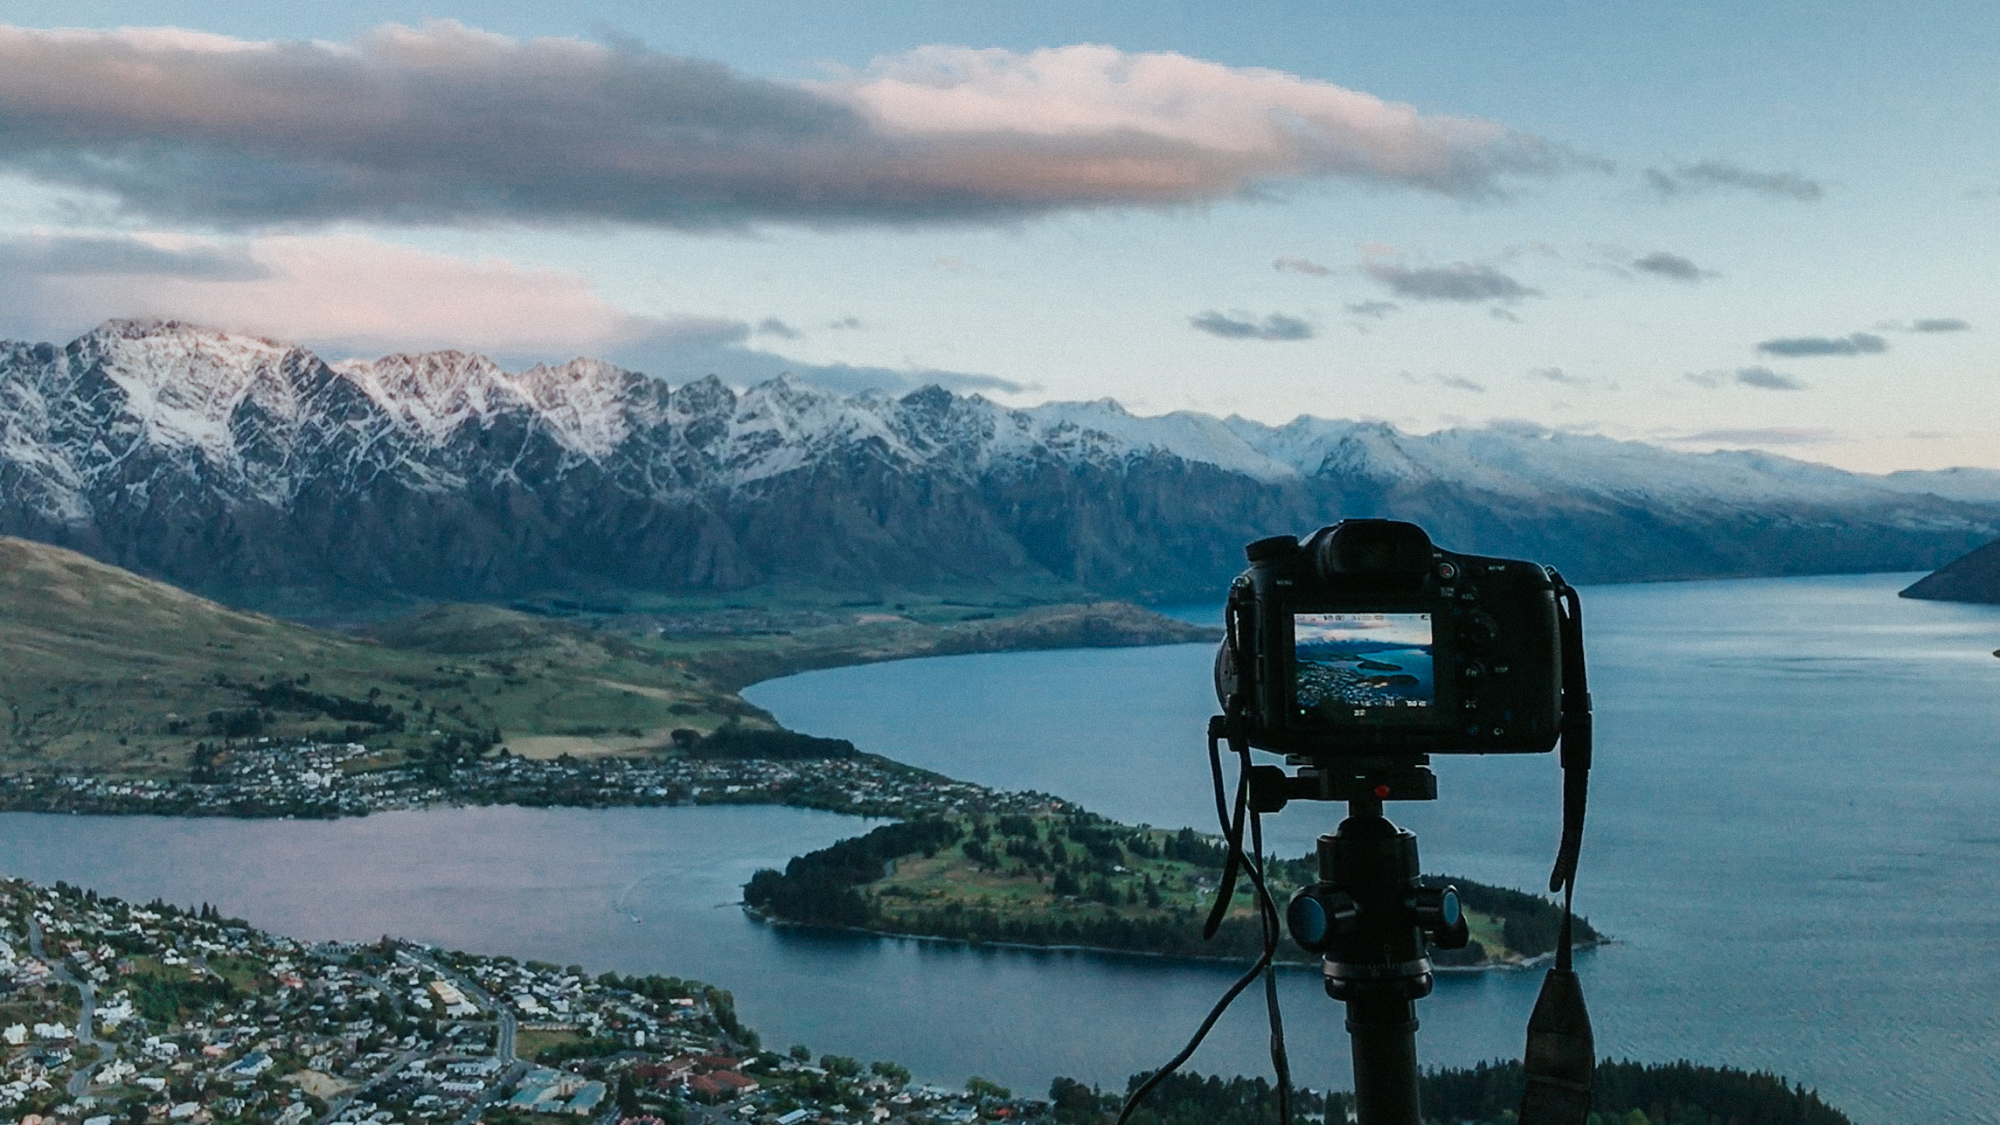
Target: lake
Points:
(1791, 829)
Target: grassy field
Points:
(528, 1044)
(105, 672)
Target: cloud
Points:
(845, 324)
(1302, 265)
(1570, 379)
(1663, 264)
(1772, 435)
(347, 295)
(1858, 343)
(1459, 281)
(1767, 379)
(100, 256)
(1940, 324)
(1454, 382)
(1763, 378)
(448, 124)
(1375, 309)
(772, 326)
(1709, 175)
(1245, 326)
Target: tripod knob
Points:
(1317, 915)
(1439, 914)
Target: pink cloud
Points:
(449, 124)
(362, 294)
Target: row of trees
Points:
(1624, 1093)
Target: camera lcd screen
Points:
(1350, 667)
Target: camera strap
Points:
(1561, 1054)
(1219, 730)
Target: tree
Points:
(983, 1089)
(840, 1066)
(898, 1074)
(628, 1098)
(1074, 1102)
(801, 1052)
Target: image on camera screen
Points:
(1351, 666)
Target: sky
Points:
(1701, 225)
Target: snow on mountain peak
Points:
(182, 383)
(261, 411)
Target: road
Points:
(87, 1010)
(337, 1105)
(512, 1069)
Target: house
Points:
(737, 1083)
(672, 1072)
(455, 1004)
(247, 1068)
(586, 1100)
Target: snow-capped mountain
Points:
(231, 463)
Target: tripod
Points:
(1370, 920)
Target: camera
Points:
(1368, 641)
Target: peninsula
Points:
(1972, 577)
(1063, 877)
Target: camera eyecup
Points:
(1277, 546)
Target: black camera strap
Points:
(1561, 1054)
(1252, 866)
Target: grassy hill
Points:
(106, 672)
(102, 671)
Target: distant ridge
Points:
(252, 471)
(1970, 578)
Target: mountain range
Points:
(241, 467)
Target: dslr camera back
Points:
(1368, 641)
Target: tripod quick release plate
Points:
(1271, 788)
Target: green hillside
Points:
(102, 671)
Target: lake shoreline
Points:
(318, 774)
(764, 918)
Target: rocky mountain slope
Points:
(1974, 577)
(245, 468)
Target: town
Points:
(277, 778)
(112, 1013)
